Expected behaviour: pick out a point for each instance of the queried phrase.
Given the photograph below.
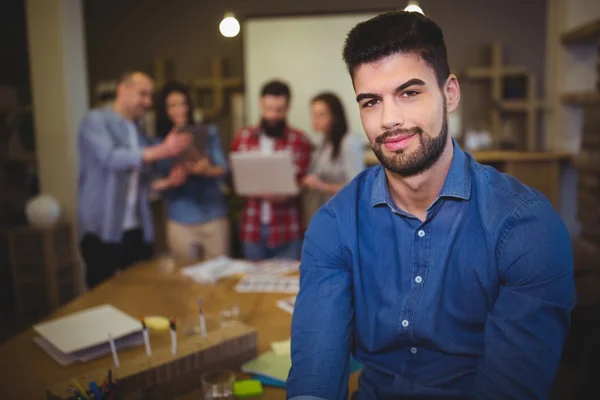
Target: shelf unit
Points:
(587, 162)
(587, 34)
(580, 98)
(529, 105)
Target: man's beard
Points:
(274, 129)
(421, 159)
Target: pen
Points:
(95, 390)
(80, 389)
(173, 337)
(146, 338)
(113, 349)
(202, 319)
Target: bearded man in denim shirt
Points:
(444, 277)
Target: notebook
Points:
(87, 328)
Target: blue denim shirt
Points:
(106, 161)
(199, 199)
(474, 302)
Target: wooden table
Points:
(540, 170)
(146, 289)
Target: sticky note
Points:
(281, 348)
(157, 324)
(247, 388)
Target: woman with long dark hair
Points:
(340, 157)
(198, 227)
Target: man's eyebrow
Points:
(407, 84)
(363, 96)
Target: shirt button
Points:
(421, 233)
(413, 350)
(405, 323)
(418, 279)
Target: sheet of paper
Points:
(87, 328)
(287, 304)
(282, 348)
(255, 173)
(276, 267)
(271, 365)
(268, 284)
(211, 271)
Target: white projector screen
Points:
(306, 52)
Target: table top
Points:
(145, 289)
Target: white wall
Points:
(306, 52)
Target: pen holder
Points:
(164, 375)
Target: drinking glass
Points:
(218, 385)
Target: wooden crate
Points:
(166, 376)
(45, 268)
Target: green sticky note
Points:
(247, 388)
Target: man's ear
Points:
(452, 93)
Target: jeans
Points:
(260, 251)
(103, 259)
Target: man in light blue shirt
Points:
(445, 278)
(115, 174)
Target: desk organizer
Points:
(164, 375)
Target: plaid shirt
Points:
(285, 217)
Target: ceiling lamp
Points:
(229, 26)
(413, 6)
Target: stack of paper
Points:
(270, 365)
(83, 336)
(287, 304)
(211, 271)
(272, 368)
(282, 348)
(276, 267)
(268, 284)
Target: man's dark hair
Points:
(276, 88)
(397, 32)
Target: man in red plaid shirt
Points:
(271, 225)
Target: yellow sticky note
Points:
(157, 324)
(281, 348)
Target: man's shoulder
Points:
(500, 190)
(340, 214)
(96, 114)
(356, 192)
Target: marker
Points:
(202, 319)
(80, 389)
(95, 390)
(113, 349)
(146, 338)
(173, 337)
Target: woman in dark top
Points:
(198, 227)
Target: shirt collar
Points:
(457, 183)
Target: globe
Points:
(42, 211)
